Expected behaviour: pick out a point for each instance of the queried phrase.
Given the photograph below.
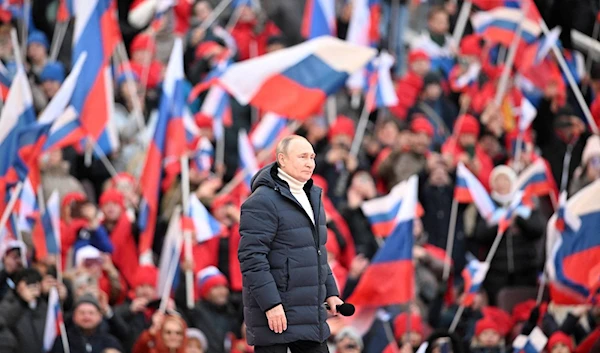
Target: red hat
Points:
(145, 275)
(112, 195)
(205, 47)
(421, 124)
(332, 245)
(470, 45)
(343, 125)
(401, 325)
(417, 54)
(143, 41)
(123, 176)
(208, 278)
(221, 201)
(466, 124)
(500, 317)
(522, 310)
(203, 120)
(71, 197)
(486, 324)
(559, 337)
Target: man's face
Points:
(438, 23)
(202, 10)
(432, 91)
(50, 87)
(146, 291)
(560, 348)
(420, 67)
(347, 345)
(421, 142)
(489, 338)
(112, 211)
(299, 161)
(218, 295)
(36, 52)
(12, 261)
(87, 316)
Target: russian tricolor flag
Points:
(46, 231)
(473, 275)
(500, 24)
(382, 211)
(170, 255)
(533, 343)
(28, 203)
(165, 149)
(389, 279)
(54, 320)
(269, 130)
(528, 114)
(470, 190)
(575, 251)
(363, 30)
(537, 180)
(319, 19)
(381, 92)
(536, 52)
(307, 73)
(5, 82)
(203, 156)
(17, 114)
(217, 106)
(248, 162)
(205, 225)
(467, 79)
(507, 216)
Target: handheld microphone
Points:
(345, 309)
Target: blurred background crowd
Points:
(446, 113)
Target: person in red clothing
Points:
(559, 342)
(250, 34)
(409, 333)
(143, 52)
(166, 335)
(463, 147)
(409, 86)
(487, 335)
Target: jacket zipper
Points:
(315, 238)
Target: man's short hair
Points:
(283, 146)
(435, 10)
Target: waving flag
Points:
(217, 106)
(96, 32)
(319, 19)
(382, 212)
(165, 149)
(202, 159)
(205, 225)
(467, 79)
(473, 275)
(307, 73)
(470, 190)
(533, 343)
(381, 92)
(363, 30)
(211, 78)
(574, 253)
(248, 161)
(27, 204)
(528, 114)
(536, 52)
(500, 24)
(192, 132)
(45, 234)
(18, 113)
(389, 278)
(269, 130)
(537, 180)
(65, 10)
(511, 211)
(170, 255)
(5, 81)
(54, 320)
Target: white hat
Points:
(504, 170)
(85, 253)
(12, 244)
(592, 148)
(194, 333)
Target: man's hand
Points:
(333, 302)
(138, 305)
(277, 319)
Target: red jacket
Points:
(452, 147)
(244, 36)
(407, 90)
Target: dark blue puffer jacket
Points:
(283, 260)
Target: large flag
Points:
(203, 157)
(363, 30)
(536, 52)
(205, 225)
(473, 275)
(171, 254)
(381, 92)
(165, 149)
(470, 190)
(389, 278)
(382, 212)
(217, 106)
(54, 320)
(96, 32)
(319, 19)
(17, 114)
(574, 251)
(533, 343)
(307, 73)
(269, 130)
(248, 162)
(500, 24)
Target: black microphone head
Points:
(346, 309)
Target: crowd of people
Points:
(111, 302)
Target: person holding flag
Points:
(283, 258)
(515, 262)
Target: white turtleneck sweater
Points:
(297, 189)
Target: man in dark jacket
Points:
(12, 262)
(282, 254)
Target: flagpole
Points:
(461, 22)
(487, 261)
(164, 299)
(395, 11)
(11, 203)
(20, 238)
(540, 293)
(103, 158)
(25, 26)
(576, 91)
(187, 235)
(389, 334)
(565, 169)
(220, 154)
(215, 13)
(331, 107)
(233, 20)
(450, 240)
(64, 338)
(57, 39)
(512, 53)
(588, 59)
(518, 151)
